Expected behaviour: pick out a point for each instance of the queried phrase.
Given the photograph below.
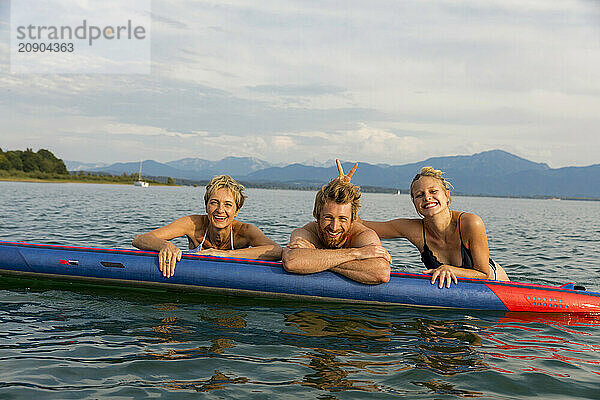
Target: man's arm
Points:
(373, 270)
(302, 256)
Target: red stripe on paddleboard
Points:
(154, 253)
(505, 284)
(538, 300)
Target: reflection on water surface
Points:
(74, 341)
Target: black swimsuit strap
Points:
(424, 242)
(459, 232)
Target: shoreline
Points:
(39, 180)
(274, 186)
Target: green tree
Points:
(48, 162)
(4, 163)
(170, 181)
(15, 160)
(31, 161)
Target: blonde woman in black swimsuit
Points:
(452, 243)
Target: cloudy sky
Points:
(286, 81)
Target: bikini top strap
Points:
(459, 232)
(203, 239)
(423, 224)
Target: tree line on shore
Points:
(29, 161)
(44, 165)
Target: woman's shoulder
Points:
(469, 221)
(196, 220)
(247, 233)
(243, 227)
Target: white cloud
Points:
(283, 143)
(383, 81)
(137, 130)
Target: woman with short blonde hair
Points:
(216, 233)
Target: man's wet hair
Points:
(340, 192)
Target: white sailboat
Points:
(140, 182)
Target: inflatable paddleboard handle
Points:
(572, 286)
(568, 285)
(111, 264)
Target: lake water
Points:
(61, 340)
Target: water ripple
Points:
(72, 341)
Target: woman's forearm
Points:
(148, 241)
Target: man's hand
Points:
(374, 251)
(168, 255)
(300, 243)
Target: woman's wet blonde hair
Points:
(434, 173)
(225, 182)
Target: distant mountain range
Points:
(80, 166)
(495, 173)
(234, 166)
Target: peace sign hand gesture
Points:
(345, 177)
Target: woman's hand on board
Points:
(168, 255)
(445, 273)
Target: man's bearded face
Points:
(335, 222)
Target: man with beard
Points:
(336, 241)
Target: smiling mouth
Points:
(332, 239)
(219, 218)
(430, 205)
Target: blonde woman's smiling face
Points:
(429, 196)
(221, 208)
